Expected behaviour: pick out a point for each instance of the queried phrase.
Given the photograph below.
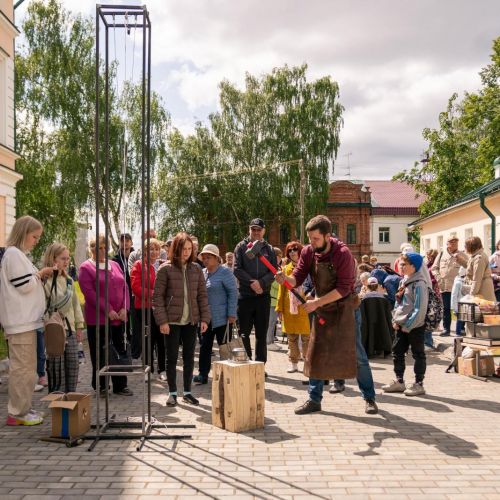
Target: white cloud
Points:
(397, 61)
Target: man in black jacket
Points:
(254, 299)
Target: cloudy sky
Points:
(397, 61)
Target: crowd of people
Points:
(184, 296)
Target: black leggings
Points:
(186, 333)
(156, 341)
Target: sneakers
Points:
(293, 368)
(371, 407)
(416, 389)
(273, 347)
(190, 399)
(31, 418)
(38, 388)
(43, 381)
(172, 400)
(163, 376)
(124, 392)
(200, 379)
(394, 386)
(308, 407)
(337, 387)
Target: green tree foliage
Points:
(461, 151)
(274, 121)
(55, 103)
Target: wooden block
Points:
(238, 395)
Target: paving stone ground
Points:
(445, 444)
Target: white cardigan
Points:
(22, 298)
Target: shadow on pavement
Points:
(446, 443)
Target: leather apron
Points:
(332, 346)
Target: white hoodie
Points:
(22, 299)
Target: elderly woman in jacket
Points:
(222, 299)
(294, 319)
(21, 313)
(117, 306)
(61, 296)
(180, 302)
(478, 276)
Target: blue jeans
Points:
(446, 296)
(459, 329)
(364, 376)
(428, 340)
(40, 353)
(273, 317)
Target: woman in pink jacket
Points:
(118, 298)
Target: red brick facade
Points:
(349, 209)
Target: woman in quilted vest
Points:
(180, 302)
(62, 371)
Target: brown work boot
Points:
(308, 407)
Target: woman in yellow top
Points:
(294, 320)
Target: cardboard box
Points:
(238, 395)
(468, 366)
(70, 414)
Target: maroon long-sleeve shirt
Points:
(339, 256)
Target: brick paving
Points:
(442, 445)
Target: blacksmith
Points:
(332, 346)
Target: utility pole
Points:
(302, 198)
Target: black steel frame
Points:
(116, 16)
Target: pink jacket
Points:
(118, 296)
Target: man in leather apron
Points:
(332, 346)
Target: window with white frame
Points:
(440, 243)
(384, 235)
(469, 233)
(427, 244)
(487, 236)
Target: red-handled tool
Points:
(253, 250)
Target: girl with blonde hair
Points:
(62, 371)
(22, 306)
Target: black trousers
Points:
(254, 312)
(155, 342)
(402, 342)
(188, 335)
(117, 335)
(207, 342)
(135, 327)
(446, 297)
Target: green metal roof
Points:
(486, 189)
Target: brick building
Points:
(349, 209)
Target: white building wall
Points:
(464, 221)
(398, 233)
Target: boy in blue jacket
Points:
(408, 320)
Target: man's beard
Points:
(322, 248)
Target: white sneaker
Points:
(415, 390)
(394, 386)
(273, 347)
(163, 376)
(293, 368)
(38, 387)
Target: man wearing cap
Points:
(254, 299)
(121, 258)
(445, 269)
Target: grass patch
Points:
(3, 345)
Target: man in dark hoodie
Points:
(254, 299)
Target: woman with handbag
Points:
(22, 304)
(118, 298)
(62, 370)
(223, 300)
(179, 303)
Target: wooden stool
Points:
(238, 395)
